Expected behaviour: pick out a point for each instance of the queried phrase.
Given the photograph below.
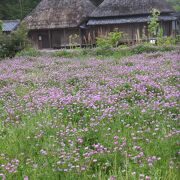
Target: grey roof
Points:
(124, 20)
(10, 25)
(177, 14)
(113, 8)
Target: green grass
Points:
(20, 142)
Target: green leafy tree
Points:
(153, 24)
(16, 9)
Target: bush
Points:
(63, 53)
(106, 44)
(105, 51)
(110, 41)
(139, 49)
(32, 52)
(124, 52)
(10, 44)
(177, 39)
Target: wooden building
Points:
(177, 15)
(58, 23)
(131, 17)
(63, 23)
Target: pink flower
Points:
(116, 142)
(3, 176)
(116, 137)
(112, 178)
(148, 178)
(25, 178)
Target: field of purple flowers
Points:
(90, 119)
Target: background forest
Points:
(17, 9)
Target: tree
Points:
(153, 24)
(16, 9)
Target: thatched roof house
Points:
(60, 23)
(130, 17)
(56, 23)
(112, 8)
(50, 14)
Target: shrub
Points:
(124, 52)
(166, 48)
(169, 41)
(139, 49)
(63, 53)
(104, 51)
(106, 44)
(12, 43)
(110, 41)
(32, 52)
(177, 39)
(160, 39)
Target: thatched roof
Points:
(110, 8)
(96, 2)
(50, 14)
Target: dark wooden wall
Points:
(62, 38)
(56, 38)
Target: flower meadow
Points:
(106, 119)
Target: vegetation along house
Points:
(61, 23)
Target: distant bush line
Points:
(119, 52)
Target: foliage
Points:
(153, 24)
(111, 40)
(160, 39)
(63, 53)
(10, 44)
(165, 41)
(146, 48)
(16, 9)
(121, 52)
(177, 39)
(31, 52)
(139, 49)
